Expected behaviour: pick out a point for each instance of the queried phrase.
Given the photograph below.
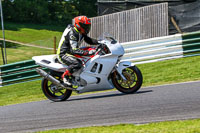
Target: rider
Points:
(69, 46)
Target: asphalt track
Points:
(150, 104)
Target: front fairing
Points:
(117, 49)
(113, 45)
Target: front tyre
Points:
(53, 92)
(132, 83)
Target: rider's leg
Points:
(73, 65)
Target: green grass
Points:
(23, 92)
(171, 71)
(19, 93)
(187, 126)
(41, 35)
(17, 53)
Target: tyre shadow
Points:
(107, 95)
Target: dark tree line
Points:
(47, 11)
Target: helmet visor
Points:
(86, 27)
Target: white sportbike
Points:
(103, 71)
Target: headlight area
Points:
(119, 58)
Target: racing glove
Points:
(91, 52)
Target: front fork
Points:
(121, 66)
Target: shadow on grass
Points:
(10, 45)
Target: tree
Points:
(85, 7)
(47, 11)
(8, 9)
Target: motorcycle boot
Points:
(67, 79)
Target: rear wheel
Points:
(133, 80)
(53, 92)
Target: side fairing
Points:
(97, 71)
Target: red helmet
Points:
(83, 24)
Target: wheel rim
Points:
(131, 79)
(54, 91)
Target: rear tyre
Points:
(53, 92)
(132, 83)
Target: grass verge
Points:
(187, 126)
(20, 93)
(171, 71)
(41, 35)
(16, 52)
(23, 92)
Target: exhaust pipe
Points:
(50, 78)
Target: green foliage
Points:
(84, 7)
(35, 11)
(47, 11)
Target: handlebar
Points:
(101, 48)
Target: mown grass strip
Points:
(187, 126)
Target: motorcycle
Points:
(102, 71)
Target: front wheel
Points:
(53, 92)
(133, 80)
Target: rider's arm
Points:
(90, 40)
(73, 40)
